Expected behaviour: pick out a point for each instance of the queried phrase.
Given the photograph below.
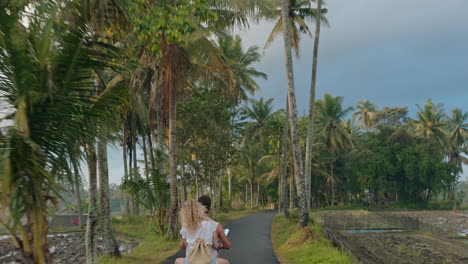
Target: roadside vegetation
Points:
(303, 245)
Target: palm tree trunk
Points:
(291, 193)
(251, 194)
(258, 195)
(284, 159)
(150, 144)
(131, 173)
(172, 166)
(134, 152)
(184, 181)
(296, 146)
(124, 150)
(213, 193)
(136, 206)
(197, 183)
(145, 155)
(246, 194)
(78, 194)
(93, 213)
(310, 126)
(229, 182)
(130, 157)
(34, 244)
(455, 198)
(221, 189)
(332, 185)
(160, 133)
(110, 244)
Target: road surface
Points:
(250, 238)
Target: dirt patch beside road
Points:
(442, 222)
(364, 233)
(65, 248)
(411, 248)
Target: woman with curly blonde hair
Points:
(196, 225)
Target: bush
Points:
(294, 215)
(443, 205)
(237, 205)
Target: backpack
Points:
(200, 253)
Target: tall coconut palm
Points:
(93, 209)
(250, 167)
(458, 125)
(109, 241)
(104, 19)
(366, 112)
(310, 125)
(457, 143)
(258, 112)
(283, 163)
(431, 123)
(240, 62)
(330, 115)
(299, 13)
(296, 146)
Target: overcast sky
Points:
(390, 52)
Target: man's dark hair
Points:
(205, 200)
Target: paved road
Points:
(250, 238)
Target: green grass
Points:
(294, 245)
(155, 248)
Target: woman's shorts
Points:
(212, 261)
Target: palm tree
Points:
(330, 115)
(310, 125)
(93, 209)
(258, 112)
(458, 125)
(240, 63)
(366, 112)
(251, 167)
(431, 123)
(283, 159)
(457, 140)
(109, 241)
(299, 12)
(55, 107)
(296, 146)
(104, 19)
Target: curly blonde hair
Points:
(192, 214)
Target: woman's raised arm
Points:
(226, 244)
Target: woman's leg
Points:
(222, 261)
(179, 261)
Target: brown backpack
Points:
(200, 253)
